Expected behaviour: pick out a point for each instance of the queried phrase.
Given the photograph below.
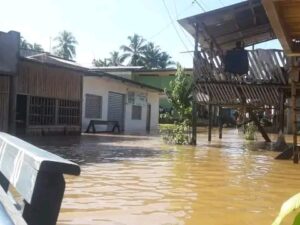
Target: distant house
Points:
(107, 97)
(159, 78)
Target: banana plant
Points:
(287, 207)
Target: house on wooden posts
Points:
(107, 97)
(225, 75)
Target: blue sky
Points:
(101, 26)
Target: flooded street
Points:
(137, 180)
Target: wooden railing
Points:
(37, 176)
(265, 66)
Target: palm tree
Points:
(37, 47)
(151, 56)
(24, 44)
(101, 63)
(116, 59)
(155, 58)
(65, 47)
(165, 60)
(135, 50)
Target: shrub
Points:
(250, 132)
(177, 133)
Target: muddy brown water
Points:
(137, 180)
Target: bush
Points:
(178, 133)
(250, 132)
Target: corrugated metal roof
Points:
(245, 21)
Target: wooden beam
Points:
(194, 103)
(209, 121)
(221, 121)
(260, 128)
(277, 25)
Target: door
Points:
(116, 109)
(21, 114)
(148, 122)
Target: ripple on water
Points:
(138, 180)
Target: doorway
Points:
(148, 121)
(21, 114)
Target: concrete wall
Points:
(102, 86)
(9, 52)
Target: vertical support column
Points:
(281, 112)
(12, 104)
(209, 121)
(294, 114)
(194, 103)
(221, 119)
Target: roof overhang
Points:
(284, 17)
(245, 21)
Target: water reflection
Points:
(138, 180)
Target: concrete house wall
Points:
(102, 86)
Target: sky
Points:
(102, 26)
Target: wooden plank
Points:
(278, 25)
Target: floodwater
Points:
(137, 180)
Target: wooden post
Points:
(194, 103)
(209, 121)
(281, 112)
(294, 75)
(194, 123)
(220, 122)
(260, 128)
(12, 104)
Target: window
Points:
(41, 111)
(93, 106)
(136, 113)
(68, 112)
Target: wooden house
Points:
(45, 94)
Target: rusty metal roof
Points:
(245, 21)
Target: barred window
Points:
(68, 112)
(136, 113)
(93, 106)
(41, 111)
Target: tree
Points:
(180, 94)
(165, 60)
(66, 45)
(135, 50)
(100, 62)
(26, 45)
(115, 59)
(151, 56)
(155, 58)
(37, 47)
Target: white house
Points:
(111, 98)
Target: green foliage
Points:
(66, 45)
(177, 133)
(287, 207)
(180, 95)
(138, 52)
(26, 45)
(250, 131)
(115, 60)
